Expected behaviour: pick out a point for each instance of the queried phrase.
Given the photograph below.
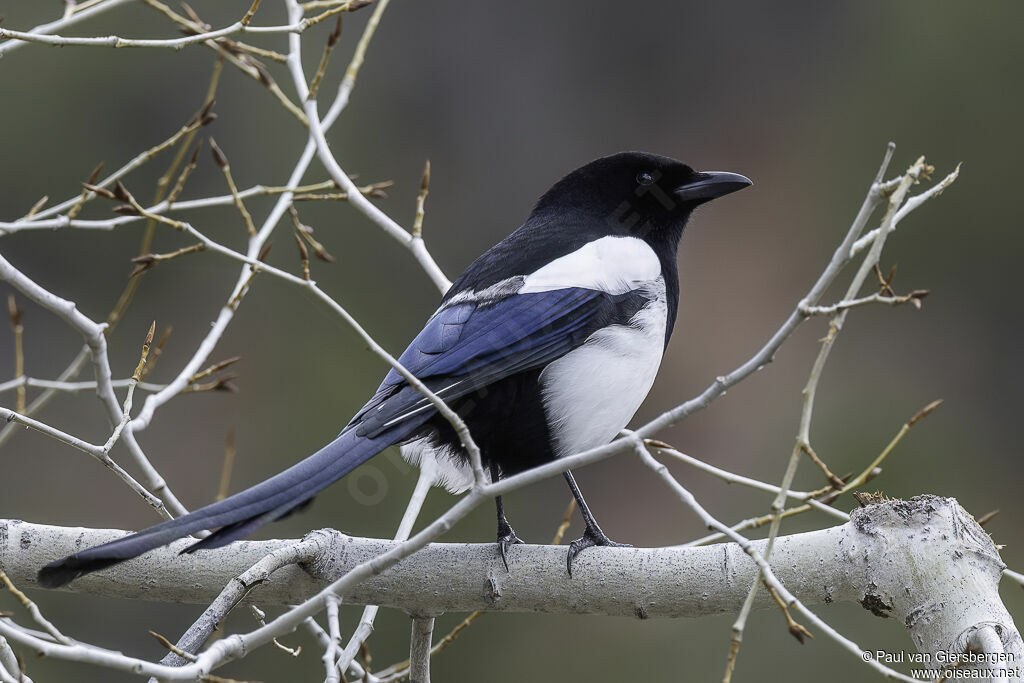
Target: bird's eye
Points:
(644, 179)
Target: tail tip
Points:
(57, 574)
(62, 572)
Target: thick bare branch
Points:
(639, 582)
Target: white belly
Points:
(592, 393)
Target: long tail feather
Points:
(235, 516)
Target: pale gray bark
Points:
(925, 562)
(419, 649)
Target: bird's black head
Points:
(636, 194)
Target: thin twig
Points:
(15, 313)
(913, 298)
(179, 185)
(421, 198)
(93, 335)
(222, 161)
(33, 611)
(827, 494)
(911, 204)
(83, 11)
(303, 255)
(261, 619)
(93, 177)
(147, 261)
(172, 647)
(306, 233)
(332, 40)
(733, 478)
(240, 26)
(230, 52)
(194, 124)
(36, 207)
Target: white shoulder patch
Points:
(484, 297)
(593, 391)
(615, 265)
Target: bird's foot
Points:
(506, 539)
(591, 537)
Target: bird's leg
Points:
(506, 536)
(593, 535)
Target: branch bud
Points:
(13, 311)
(332, 39)
(218, 156)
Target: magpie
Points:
(545, 346)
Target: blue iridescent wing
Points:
(466, 346)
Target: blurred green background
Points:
(504, 98)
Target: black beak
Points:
(711, 185)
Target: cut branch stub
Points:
(940, 576)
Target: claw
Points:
(589, 539)
(506, 539)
